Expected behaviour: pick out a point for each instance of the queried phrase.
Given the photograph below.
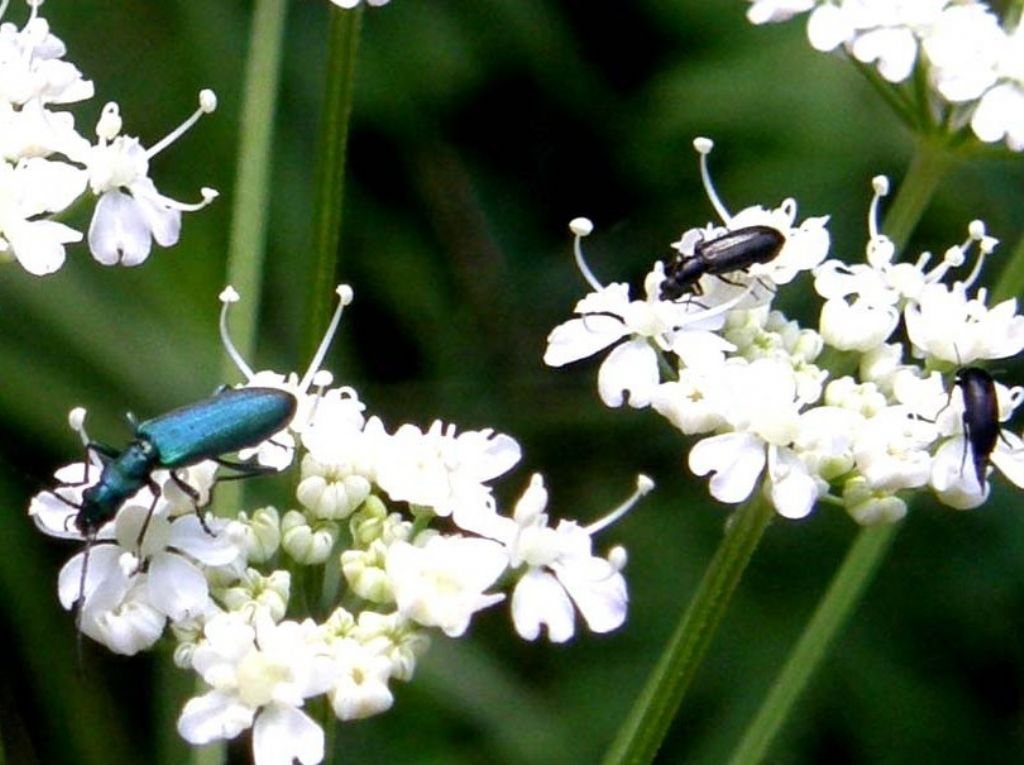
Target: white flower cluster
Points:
(723, 364)
(971, 61)
(46, 166)
(402, 523)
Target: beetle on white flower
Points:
(751, 382)
(402, 523)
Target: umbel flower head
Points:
(972, 61)
(723, 364)
(405, 517)
(46, 166)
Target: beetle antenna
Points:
(79, 604)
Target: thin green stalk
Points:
(339, 89)
(929, 165)
(643, 731)
(247, 243)
(843, 594)
(896, 98)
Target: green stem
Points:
(929, 165)
(648, 722)
(896, 98)
(843, 594)
(329, 722)
(247, 243)
(339, 88)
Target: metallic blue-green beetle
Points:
(234, 419)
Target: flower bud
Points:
(364, 572)
(255, 592)
(260, 536)
(373, 522)
(395, 637)
(310, 545)
(870, 508)
(330, 492)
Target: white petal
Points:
(1009, 458)
(895, 50)
(212, 716)
(580, 338)
(794, 492)
(131, 627)
(736, 459)
(54, 510)
(39, 245)
(189, 536)
(999, 109)
(953, 476)
(103, 566)
(597, 589)
(47, 186)
(827, 28)
(228, 639)
(177, 587)
(539, 599)
(163, 221)
(700, 349)
(119, 232)
(441, 583)
(490, 454)
(283, 734)
(631, 368)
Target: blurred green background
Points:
(481, 127)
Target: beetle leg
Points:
(194, 496)
(154, 487)
(76, 607)
(730, 281)
(245, 469)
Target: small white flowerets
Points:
(407, 520)
(722, 363)
(972, 63)
(46, 165)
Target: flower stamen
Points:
(580, 228)
(704, 147)
(228, 296)
(345, 295)
(207, 104)
(643, 487)
(880, 184)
